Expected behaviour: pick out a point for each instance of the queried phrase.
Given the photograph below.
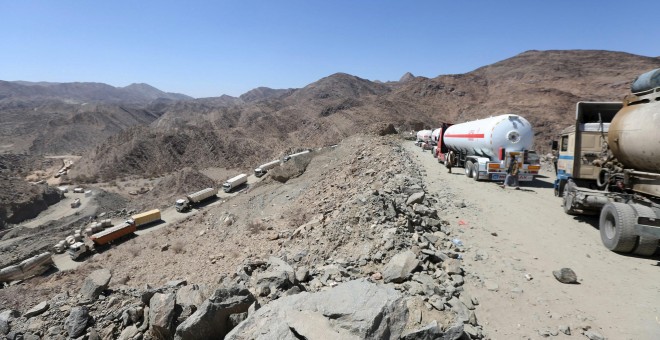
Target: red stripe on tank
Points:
(466, 135)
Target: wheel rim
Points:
(610, 227)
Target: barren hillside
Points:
(543, 86)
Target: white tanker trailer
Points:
(485, 147)
(608, 164)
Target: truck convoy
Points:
(485, 147)
(235, 182)
(608, 164)
(106, 236)
(185, 204)
(263, 169)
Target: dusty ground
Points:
(617, 296)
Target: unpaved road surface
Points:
(509, 233)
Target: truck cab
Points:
(580, 144)
(76, 250)
(181, 205)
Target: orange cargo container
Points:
(111, 234)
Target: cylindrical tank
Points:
(435, 135)
(646, 81)
(484, 137)
(424, 135)
(633, 133)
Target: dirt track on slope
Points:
(617, 295)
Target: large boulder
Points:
(6, 317)
(192, 295)
(95, 283)
(356, 309)
(279, 275)
(212, 319)
(400, 267)
(76, 323)
(161, 314)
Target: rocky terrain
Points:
(543, 86)
(351, 229)
(363, 240)
(19, 199)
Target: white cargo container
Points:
(263, 169)
(234, 182)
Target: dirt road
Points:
(508, 234)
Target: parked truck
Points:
(235, 182)
(145, 218)
(608, 164)
(111, 234)
(185, 204)
(485, 147)
(263, 169)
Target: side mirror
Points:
(555, 145)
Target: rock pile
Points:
(374, 259)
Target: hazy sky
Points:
(209, 48)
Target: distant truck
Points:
(185, 204)
(485, 147)
(75, 203)
(107, 236)
(287, 158)
(145, 218)
(263, 169)
(235, 182)
(607, 164)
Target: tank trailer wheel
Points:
(616, 227)
(646, 246)
(468, 169)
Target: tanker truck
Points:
(424, 138)
(485, 147)
(185, 204)
(608, 165)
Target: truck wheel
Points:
(568, 203)
(468, 169)
(475, 172)
(616, 227)
(559, 190)
(646, 246)
(433, 152)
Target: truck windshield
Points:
(226, 185)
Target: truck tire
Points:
(616, 227)
(568, 203)
(468, 169)
(646, 246)
(475, 172)
(559, 190)
(433, 152)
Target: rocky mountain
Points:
(83, 92)
(261, 93)
(66, 118)
(542, 86)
